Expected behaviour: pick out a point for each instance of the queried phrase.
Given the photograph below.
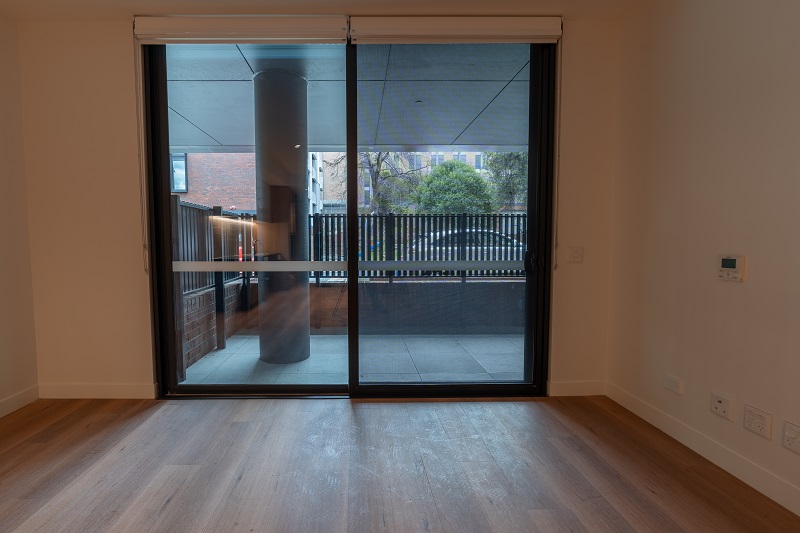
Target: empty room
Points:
(399, 266)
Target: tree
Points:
(392, 177)
(508, 172)
(454, 187)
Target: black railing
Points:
(192, 241)
(422, 237)
(210, 234)
(328, 240)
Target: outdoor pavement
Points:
(383, 359)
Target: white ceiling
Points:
(412, 97)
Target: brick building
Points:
(229, 180)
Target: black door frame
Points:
(538, 265)
(541, 157)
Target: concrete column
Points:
(282, 207)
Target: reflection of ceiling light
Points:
(297, 146)
(234, 220)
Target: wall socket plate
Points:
(722, 405)
(758, 421)
(791, 436)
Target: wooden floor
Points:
(329, 465)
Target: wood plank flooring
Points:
(331, 465)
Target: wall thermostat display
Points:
(732, 267)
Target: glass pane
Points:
(443, 151)
(258, 136)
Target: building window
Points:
(460, 156)
(415, 161)
(177, 181)
(478, 161)
(437, 158)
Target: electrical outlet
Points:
(791, 437)
(722, 405)
(758, 421)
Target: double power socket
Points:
(755, 420)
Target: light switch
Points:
(575, 254)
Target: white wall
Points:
(90, 291)
(707, 163)
(18, 379)
(580, 290)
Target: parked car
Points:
(466, 245)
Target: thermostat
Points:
(732, 267)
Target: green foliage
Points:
(454, 187)
(508, 172)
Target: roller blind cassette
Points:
(337, 29)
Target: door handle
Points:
(530, 261)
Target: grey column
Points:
(282, 207)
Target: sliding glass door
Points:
(370, 219)
(443, 230)
(257, 223)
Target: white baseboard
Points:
(576, 388)
(18, 400)
(137, 391)
(754, 475)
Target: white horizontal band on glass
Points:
(262, 28)
(422, 30)
(257, 266)
(327, 266)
